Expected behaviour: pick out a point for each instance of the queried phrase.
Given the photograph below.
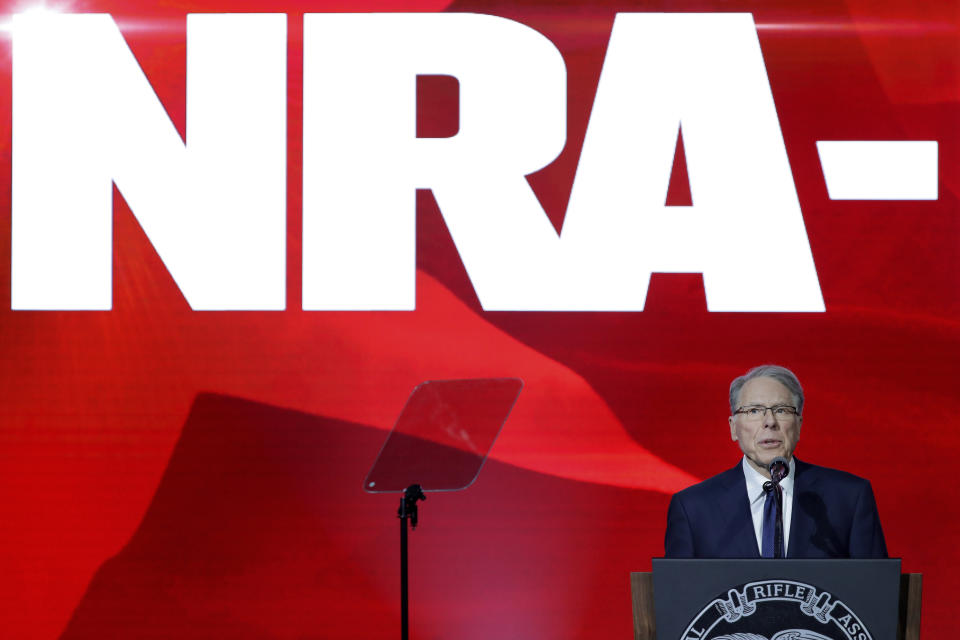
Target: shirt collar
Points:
(755, 480)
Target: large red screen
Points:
(167, 472)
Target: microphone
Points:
(779, 469)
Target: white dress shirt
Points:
(757, 496)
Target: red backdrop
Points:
(170, 473)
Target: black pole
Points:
(404, 612)
(778, 548)
(779, 469)
(408, 509)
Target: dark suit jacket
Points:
(834, 516)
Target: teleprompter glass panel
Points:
(443, 435)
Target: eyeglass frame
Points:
(794, 413)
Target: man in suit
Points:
(826, 513)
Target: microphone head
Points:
(779, 469)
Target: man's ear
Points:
(733, 429)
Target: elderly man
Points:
(826, 513)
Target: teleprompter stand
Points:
(407, 510)
(439, 443)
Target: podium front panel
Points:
(763, 599)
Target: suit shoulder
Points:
(711, 486)
(836, 477)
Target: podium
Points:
(776, 600)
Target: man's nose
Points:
(769, 422)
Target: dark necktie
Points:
(772, 532)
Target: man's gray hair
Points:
(781, 374)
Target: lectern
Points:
(776, 600)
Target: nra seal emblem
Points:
(776, 610)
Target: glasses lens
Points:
(757, 412)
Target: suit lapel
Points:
(740, 535)
(801, 527)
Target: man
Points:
(826, 513)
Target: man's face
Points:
(762, 440)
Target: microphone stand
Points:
(778, 471)
(778, 547)
(407, 510)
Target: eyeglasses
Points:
(756, 412)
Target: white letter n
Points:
(84, 115)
